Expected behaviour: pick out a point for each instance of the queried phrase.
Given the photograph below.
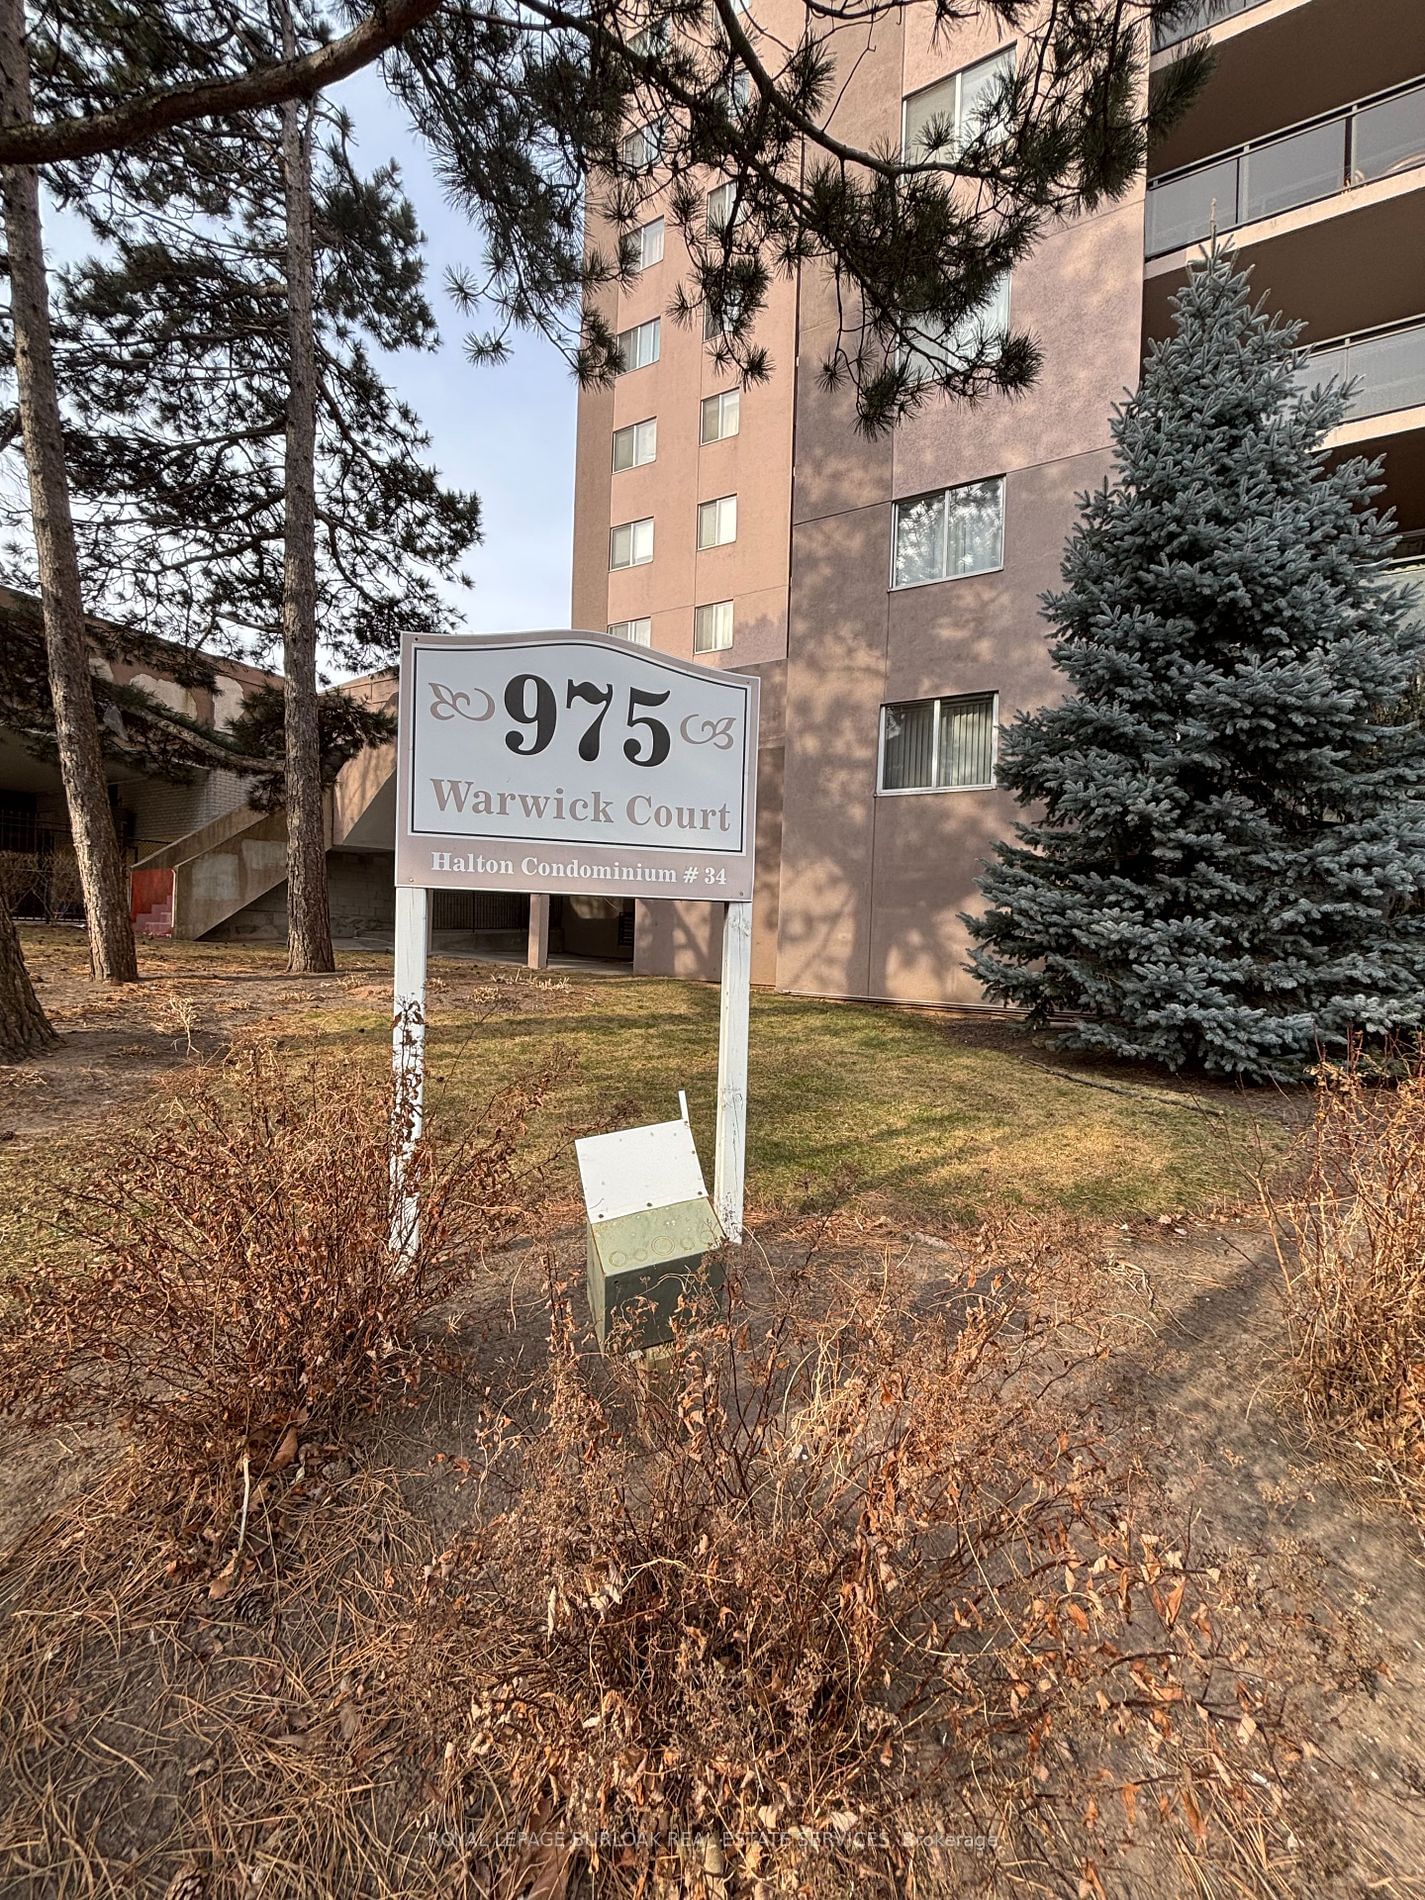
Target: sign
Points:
(573, 762)
(554, 762)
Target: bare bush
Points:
(40, 883)
(234, 1286)
(848, 1601)
(843, 1595)
(1349, 1229)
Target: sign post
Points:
(730, 1161)
(572, 762)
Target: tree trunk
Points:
(24, 1027)
(102, 873)
(308, 914)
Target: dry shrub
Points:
(1349, 1229)
(848, 1599)
(233, 1287)
(41, 883)
(845, 1598)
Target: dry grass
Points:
(943, 1118)
(1349, 1229)
(147, 1730)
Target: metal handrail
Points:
(1211, 13)
(1342, 113)
(1372, 394)
(1347, 117)
(1363, 336)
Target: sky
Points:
(505, 430)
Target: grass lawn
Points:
(939, 1119)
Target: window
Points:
(636, 445)
(652, 39)
(632, 544)
(722, 205)
(739, 90)
(938, 745)
(950, 113)
(638, 632)
(937, 349)
(638, 347)
(649, 241)
(717, 522)
(712, 627)
(639, 149)
(715, 326)
(721, 416)
(953, 532)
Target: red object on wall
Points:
(151, 903)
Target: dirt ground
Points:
(1197, 1383)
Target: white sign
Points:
(573, 762)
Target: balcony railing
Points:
(1205, 14)
(1386, 367)
(1407, 573)
(1374, 138)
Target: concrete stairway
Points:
(189, 887)
(211, 873)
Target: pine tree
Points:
(1227, 854)
(96, 846)
(243, 475)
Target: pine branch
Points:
(58, 140)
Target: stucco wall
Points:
(872, 885)
(362, 899)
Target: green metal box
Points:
(640, 1265)
(650, 1224)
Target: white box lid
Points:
(637, 1168)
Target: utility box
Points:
(650, 1223)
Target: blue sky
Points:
(507, 431)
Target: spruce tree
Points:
(1226, 856)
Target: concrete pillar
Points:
(538, 933)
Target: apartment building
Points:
(887, 591)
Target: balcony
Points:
(1409, 572)
(1206, 14)
(1373, 139)
(1386, 367)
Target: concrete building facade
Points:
(886, 671)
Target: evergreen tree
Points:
(173, 352)
(1228, 849)
(96, 846)
(242, 474)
